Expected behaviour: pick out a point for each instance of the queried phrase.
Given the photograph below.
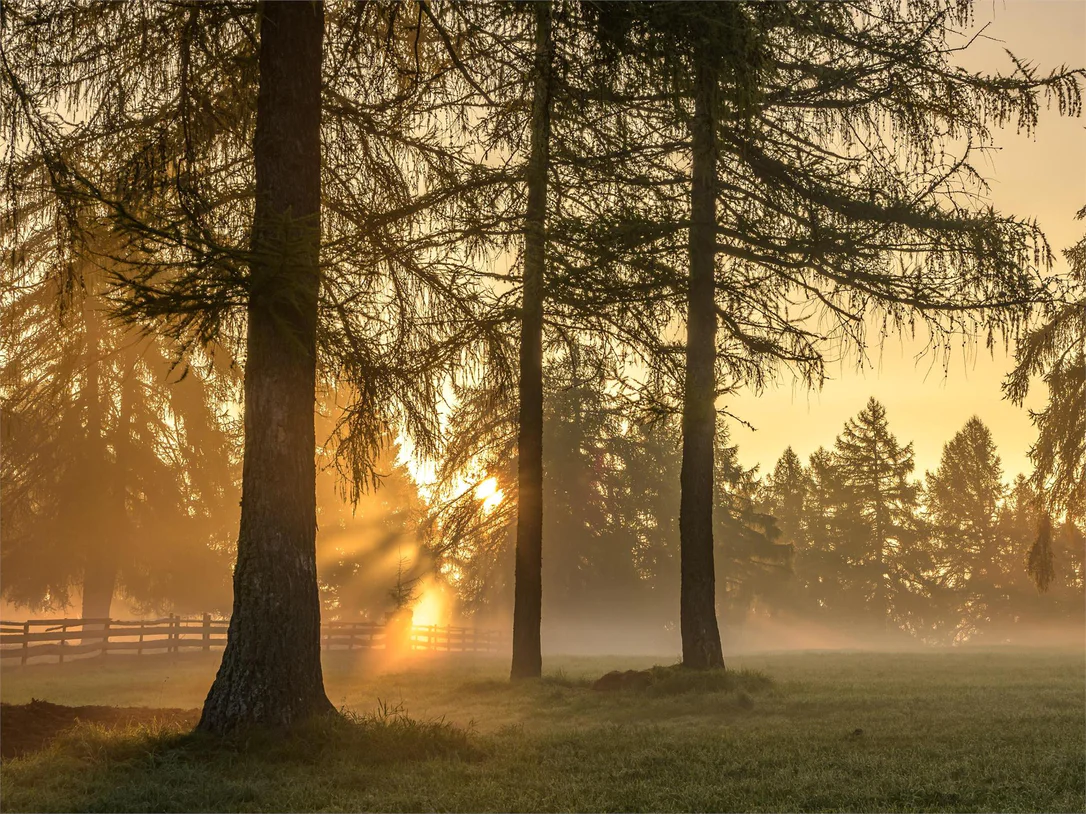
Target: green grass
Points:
(997, 730)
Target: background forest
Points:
(799, 548)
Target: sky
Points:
(1040, 176)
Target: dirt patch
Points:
(29, 727)
(631, 679)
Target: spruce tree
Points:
(784, 494)
(962, 498)
(874, 469)
(111, 442)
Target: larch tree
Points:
(219, 240)
(271, 668)
(1056, 349)
(844, 186)
(528, 599)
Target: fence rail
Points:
(64, 638)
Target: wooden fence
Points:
(65, 638)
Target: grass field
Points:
(995, 730)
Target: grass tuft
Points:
(559, 678)
(385, 735)
(677, 680)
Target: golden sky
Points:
(1041, 176)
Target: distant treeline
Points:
(114, 479)
(852, 538)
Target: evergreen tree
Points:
(962, 498)
(785, 495)
(874, 469)
(753, 563)
(1057, 349)
(827, 568)
(118, 461)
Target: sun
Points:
(429, 610)
(489, 493)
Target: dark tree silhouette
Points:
(1057, 349)
(528, 603)
(108, 448)
(963, 497)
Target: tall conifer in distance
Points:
(785, 492)
(875, 468)
(963, 497)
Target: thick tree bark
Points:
(698, 623)
(271, 668)
(528, 600)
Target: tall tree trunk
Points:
(528, 600)
(700, 634)
(271, 668)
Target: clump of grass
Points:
(677, 680)
(385, 735)
(559, 678)
(98, 743)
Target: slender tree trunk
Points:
(100, 576)
(271, 668)
(528, 599)
(100, 555)
(700, 634)
(99, 584)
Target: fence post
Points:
(170, 648)
(139, 650)
(207, 632)
(26, 642)
(105, 637)
(63, 641)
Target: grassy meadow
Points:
(963, 730)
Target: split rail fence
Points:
(64, 638)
